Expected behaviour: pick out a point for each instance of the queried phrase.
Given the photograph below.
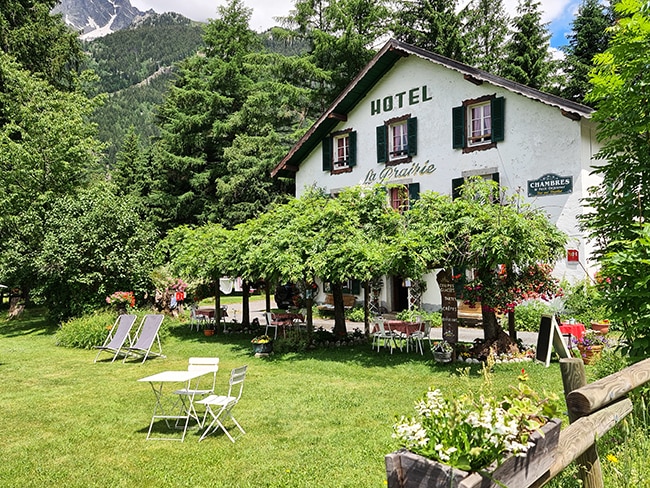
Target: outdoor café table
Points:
(286, 319)
(576, 330)
(402, 327)
(166, 408)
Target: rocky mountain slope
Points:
(97, 18)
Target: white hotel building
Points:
(426, 122)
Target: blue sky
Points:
(558, 13)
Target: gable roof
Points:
(369, 76)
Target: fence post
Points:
(573, 377)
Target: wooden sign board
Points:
(549, 334)
(449, 306)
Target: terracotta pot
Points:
(208, 332)
(601, 328)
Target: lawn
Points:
(318, 419)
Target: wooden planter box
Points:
(405, 469)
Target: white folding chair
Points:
(220, 406)
(418, 337)
(270, 325)
(197, 319)
(383, 335)
(188, 394)
(117, 336)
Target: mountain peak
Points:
(97, 18)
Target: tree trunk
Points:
(511, 325)
(491, 327)
(217, 303)
(267, 295)
(245, 305)
(339, 310)
(366, 307)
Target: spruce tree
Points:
(430, 24)
(589, 36)
(527, 58)
(486, 29)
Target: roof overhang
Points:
(374, 71)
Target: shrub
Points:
(355, 314)
(583, 302)
(86, 331)
(528, 314)
(433, 318)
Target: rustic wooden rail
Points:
(593, 410)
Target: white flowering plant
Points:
(470, 435)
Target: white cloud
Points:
(202, 10)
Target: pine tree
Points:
(527, 59)
(40, 42)
(430, 24)
(588, 37)
(486, 29)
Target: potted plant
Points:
(476, 442)
(590, 345)
(600, 326)
(209, 328)
(442, 351)
(122, 300)
(262, 345)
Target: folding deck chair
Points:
(147, 333)
(188, 394)
(119, 333)
(219, 406)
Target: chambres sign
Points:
(550, 184)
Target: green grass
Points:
(318, 419)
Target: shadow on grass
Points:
(33, 321)
(362, 354)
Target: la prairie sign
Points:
(401, 171)
(550, 184)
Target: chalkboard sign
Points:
(549, 333)
(449, 306)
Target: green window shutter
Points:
(495, 177)
(458, 127)
(414, 193)
(356, 287)
(498, 118)
(352, 154)
(382, 147)
(327, 154)
(456, 183)
(412, 131)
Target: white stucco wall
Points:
(538, 140)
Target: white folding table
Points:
(166, 408)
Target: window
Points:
(478, 124)
(402, 197)
(340, 151)
(457, 183)
(397, 140)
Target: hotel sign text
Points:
(550, 184)
(400, 100)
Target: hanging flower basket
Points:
(405, 469)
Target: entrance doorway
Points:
(400, 295)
